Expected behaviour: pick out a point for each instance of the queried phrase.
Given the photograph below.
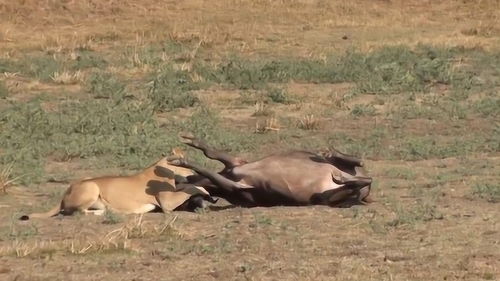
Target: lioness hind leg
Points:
(97, 208)
(94, 212)
(81, 197)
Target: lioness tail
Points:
(53, 212)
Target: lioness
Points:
(143, 192)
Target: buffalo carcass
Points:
(292, 178)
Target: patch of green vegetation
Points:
(488, 191)
(9, 65)
(112, 218)
(126, 132)
(389, 70)
(105, 85)
(417, 148)
(4, 92)
(432, 108)
(399, 69)
(16, 231)
(171, 89)
(363, 110)
(205, 123)
(422, 212)
(412, 110)
(86, 59)
(43, 67)
(401, 173)
(487, 107)
(380, 143)
(370, 145)
(278, 95)
(263, 220)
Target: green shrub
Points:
(105, 85)
(488, 191)
(85, 60)
(363, 110)
(278, 95)
(4, 92)
(172, 89)
(487, 107)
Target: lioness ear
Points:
(177, 151)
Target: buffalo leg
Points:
(364, 195)
(353, 182)
(358, 186)
(229, 161)
(335, 156)
(333, 196)
(215, 178)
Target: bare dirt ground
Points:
(427, 222)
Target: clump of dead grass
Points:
(119, 239)
(309, 122)
(6, 178)
(261, 109)
(267, 125)
(138, 228)
(67, 78)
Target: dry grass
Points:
(76, 246)
(67, 78)
(247, 26)
(261, 109)
(119, 239)
(309, 122)
(137, 228)
(267, 125)
(6, 178)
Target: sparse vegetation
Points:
(4, 92)
(105, 86)
(171, 89)
(488, 191)
(278, 95)
(363, 110)
(424, 211)
(111, 218)
(401, 173)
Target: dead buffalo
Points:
(293, 178)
